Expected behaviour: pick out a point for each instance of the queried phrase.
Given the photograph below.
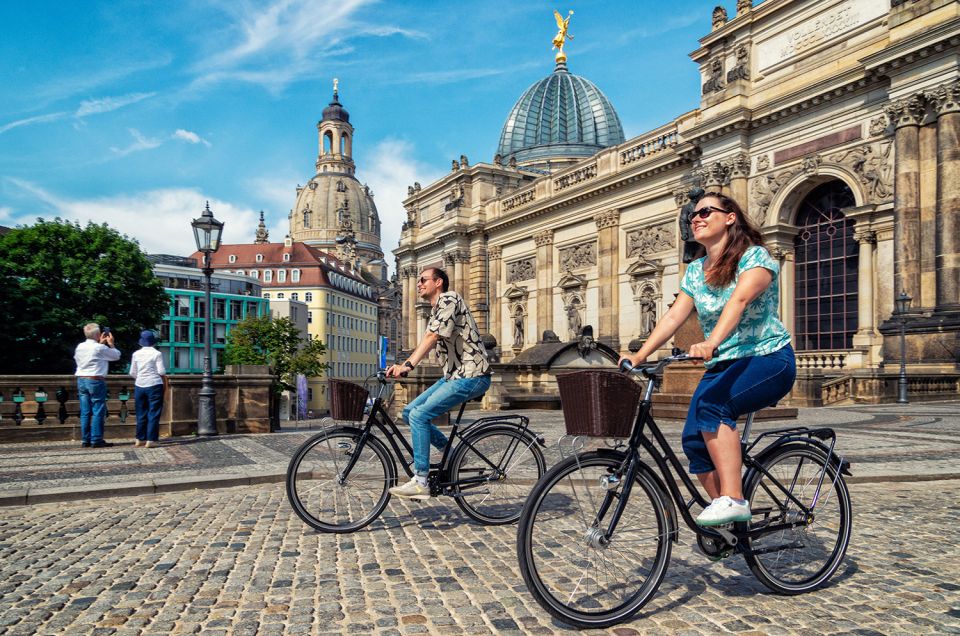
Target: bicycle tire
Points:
(551, 558)
(802, 558)
(496, 502)
(323, 503)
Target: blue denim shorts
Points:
(730, 389)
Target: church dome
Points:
(563, 116)
(322, 206)
(335, 111)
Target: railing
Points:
(650, 146)
(29, 405)
(831, 360)
(573, 178)
(518, 200)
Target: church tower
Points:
(334, 211)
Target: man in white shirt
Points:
(93, 357)
(151, 381)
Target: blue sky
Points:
(135, 113)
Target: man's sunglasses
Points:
(423, 280)
(706, 210)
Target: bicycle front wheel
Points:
(493, 472)
(575, 573)
(800, 558)
(328, 498)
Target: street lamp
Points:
(206, 231)
(902, 304)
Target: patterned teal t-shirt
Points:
(760, 331)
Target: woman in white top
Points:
(150, 384)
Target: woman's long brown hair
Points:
(740, 235)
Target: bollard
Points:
(40, 396)
(123, 396)
(18, 399)
(62, 397)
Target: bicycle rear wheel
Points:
(802, 558)
(569, 569)
(330, 501)
(494, 470)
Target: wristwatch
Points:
(406, 363)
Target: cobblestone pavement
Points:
(238, 561)
(888, 442)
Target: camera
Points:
(106, 331)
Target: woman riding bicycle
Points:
(750, 363)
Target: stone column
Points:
(544, 242)
(409, 315)
(739, 171)
(787, 285)
(450, 265)
(494, 254)
(865, 309)
(461, 269)
(478, 269)
(946, 100)
(608, 267)
(906, 115)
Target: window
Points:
(259, 258)
(826, 270)
(199, 331)
(308, 297)
(199, 307)
(281, 275)
(295, 275)
(309, 317)
(330, 342)
(252, 309)
(294, 296)
(280, 295)
(266, 294)
(182, 306)
(253, 273)
(232, 258)
(181, 358)
(164, 331)
(239, 272)
(309, 394)
(219, 333)
(286, 258)
(219, 308)
(268, 275)
(181, 332)
(236, 310)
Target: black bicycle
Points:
(339, 479)
(596, 532)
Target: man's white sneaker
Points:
(724, 510)
(413, 489)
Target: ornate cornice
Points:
(494, 252)
(544, 237)
(607, 218)
(865, 236)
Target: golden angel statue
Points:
(562, 35)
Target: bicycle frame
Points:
(665, 458)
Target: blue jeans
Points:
(149, 403)
(729, 390)
(93, 409)
(435, 401)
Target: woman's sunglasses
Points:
(706, 210)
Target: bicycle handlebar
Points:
(660, 365)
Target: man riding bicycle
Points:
(466, 373)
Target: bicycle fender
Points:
(664, 494)
(843, 466)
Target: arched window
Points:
(232, 258)
(259, 258)
(295, 275)
(826, 270)
(344, 145)
(294, 296)
(267, 275)
(327, 142)
(281, 275)
(309, 295)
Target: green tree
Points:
(57, 276)
(276, 343)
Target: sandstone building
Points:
(834, 122)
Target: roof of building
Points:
(561, 116)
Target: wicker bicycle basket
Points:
(598, 403)
(347, 400)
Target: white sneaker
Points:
(724, 510)
(413, 489)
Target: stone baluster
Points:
(946, 101)
(905, 115)
(608, 266)
(544, 243)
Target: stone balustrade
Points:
(46, 407)
(826, 359)
(649, 146)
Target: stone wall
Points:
(242, 405)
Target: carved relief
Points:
(811, 164)
(742, 68)
(872, 165)
(719, 17)
(878, 126)
(577, 256)
(680, 196)
(544, 237)
(523, 269)
(494, 252)
(607, 218)
(740, 165)
(648, 240)
(906, 112)
(743, 6)
(945, 98)
(763, 163)
(714, 81)
(715, 175)
(763, 189)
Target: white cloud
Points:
(390, 170)
(190, 137)
(107, 104)
(39, 119)
(139, 143)
(158, 219)
(5, 214)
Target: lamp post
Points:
(207, 231)
(902, 304)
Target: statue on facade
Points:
(574, 322)
(691, 249)
(518, 329)
(558, 40)
(648, 316)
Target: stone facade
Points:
(853, 105)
